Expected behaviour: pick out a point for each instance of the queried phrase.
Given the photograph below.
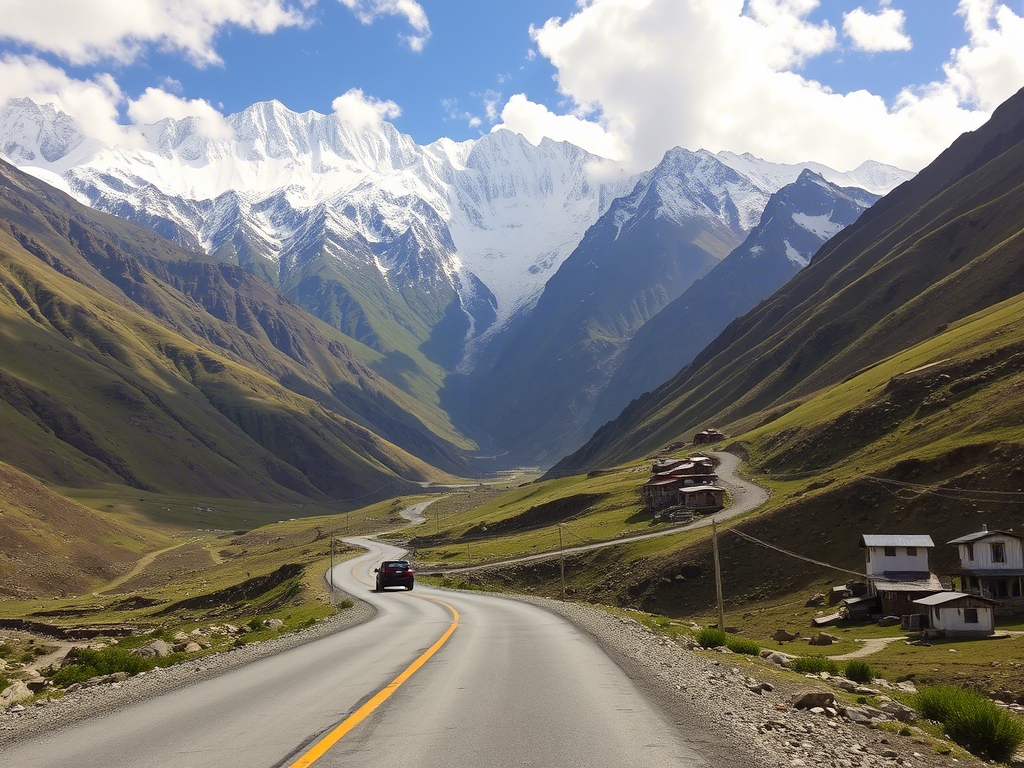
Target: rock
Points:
(823, 638)
(889, 621)
(776, 657)
(863, 690)
(12, 694)
(909, 687)
(36, 685)
(782, 636)
(859, 715)
(273, 623)
(180, 637)
(688, 642)
(901, 712)
(158, 649)
(197, 632)
(192, 648)
(812, 699)
(815, 600)
(231, 629)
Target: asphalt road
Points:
(514, 685)
(746, 496)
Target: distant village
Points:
(899, 587)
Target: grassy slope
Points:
(53, 546)
(109, 396)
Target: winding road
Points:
(746, 496)
(510, 685)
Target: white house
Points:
(958, 615)
(992, 566)
(897, 570)
(896, 554)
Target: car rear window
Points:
(397, 564)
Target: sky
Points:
(837, 82)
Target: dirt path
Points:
(874, 645)
(746, 496)
(141, 564)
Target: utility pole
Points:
(348, 528)
(469, 554)
(437, 519)
(718, 575)
(561, 560)
(331, 572)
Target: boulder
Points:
(782, 636)
(889, 621)
(12, 694)
(192, 648)
(776, 657)
(273, 623)
(815, 600)
(901, 712)
(180, 637)
(812, 699)
(231, 629)
(157, 649)
(36, 685)
(822, 638)
(858, 715)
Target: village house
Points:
(898, 572)
(956, 614)
(688, 483)
(708, 436)
(992, 566)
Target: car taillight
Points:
(410, 571)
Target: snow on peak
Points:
(875, 177)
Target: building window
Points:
(998, 552)
(911, 551)
(970, 551)
(970, 615)
(890, 551)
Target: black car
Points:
(394, 573)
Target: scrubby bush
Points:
(6, 650)
(710, 637)
(813, 665)
(104, 662)
(4, 682)
(742, 645)
(859, 671)
(972, 721)
(347, 603)
(255, 624)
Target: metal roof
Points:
(948, 597)
(861, 599)
(970, 537)
(988, 572)
(689, 488)
(897, 540)
(895, 581)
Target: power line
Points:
(941, 488)
(821, 563)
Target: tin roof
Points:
(897, 540)
(913, 581)
(942, 598)
(690, 488)
(983, 534)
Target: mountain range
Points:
(494, 283)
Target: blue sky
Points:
(625, 79)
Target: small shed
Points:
(898, 591)
(959, 615)
(702, 496)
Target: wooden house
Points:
(708, 436)
(992, 566)
(959, 615)
(897, 570)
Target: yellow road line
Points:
(350, 722)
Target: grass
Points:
(107, 661)
(972, 721)
(711, 638)
(859, 671)
(743, 645)
(814, 665)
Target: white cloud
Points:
(355, 107)
(990, 68)
(92, 104)
(646, 75)
(87, 32)
(154, 105)
(367, 11)
(874, 32)
(535, 121)
(452, 112)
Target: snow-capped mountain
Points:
(797, 220)
(405, 247)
